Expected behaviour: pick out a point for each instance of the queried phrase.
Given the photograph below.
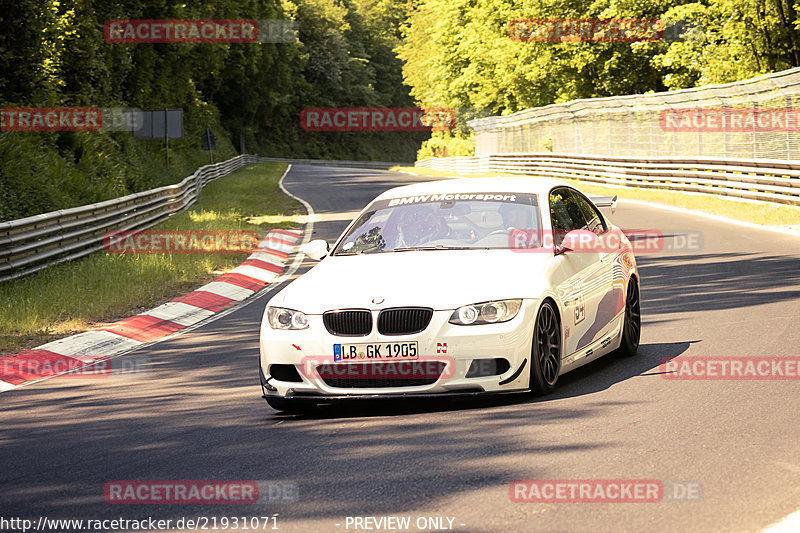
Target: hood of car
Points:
(441, 279)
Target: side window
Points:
(595, 222)
(565, 213)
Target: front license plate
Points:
(384, 351)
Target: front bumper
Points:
(453, 395)
(456, 346)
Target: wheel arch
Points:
(557, 308)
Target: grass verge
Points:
(754, 212)
(102, 287)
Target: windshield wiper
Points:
(359, 252)
(436, 247)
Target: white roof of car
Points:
(510, 184)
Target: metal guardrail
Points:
(766, 180)
(379, 165)
(31, 244)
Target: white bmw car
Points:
(454, 287)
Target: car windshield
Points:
(442, 222)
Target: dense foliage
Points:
(361, 53)
(53, 53)
(458, 53)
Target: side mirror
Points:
(578, 240)
(316, 249)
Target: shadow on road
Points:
(198, 414)
(219, 428)
(593, 377)
(716, 281)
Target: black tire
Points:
(289, 406)
(632, 325)
(546, 350)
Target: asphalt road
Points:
(196, 414)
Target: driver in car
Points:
(517, 223)
(419, 225)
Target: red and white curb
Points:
(64, 355)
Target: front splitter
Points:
(321, 398)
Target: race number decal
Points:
(580, 310)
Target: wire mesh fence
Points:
(751, 119)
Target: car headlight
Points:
(280, 318)
(486, 312)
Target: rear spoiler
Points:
(604, 201)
